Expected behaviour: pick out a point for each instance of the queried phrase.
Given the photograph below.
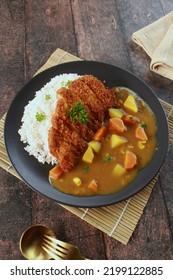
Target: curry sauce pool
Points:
(112, 161)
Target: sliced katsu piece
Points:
(65, 144)
(88, 97)
(68, 96)
(106, 96)
(71, 99)
(62, 150)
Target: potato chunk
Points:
(118, 170)
(130, 104)
(95, 145)
(115, 113)
(117, 140)
(88, 155)
(141, 144)
(77, 181)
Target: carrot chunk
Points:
(93, 186)
(140, 133)
(129, 119)
(56, 172)
(117, 125)
(130, 160)
(100, 133)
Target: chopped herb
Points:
(40, 117)
(86, 169)
(143, 125)
(139, 111)
(47, 96)
(68, 83)
(65, 84)
(107, 158)
(78, 113)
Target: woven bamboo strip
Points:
(2, 144)
(166, 106)
(108, 210)
(127, 223)
(136, 203)
(4, 159)
(131, 212)
(1, 126)
(171, 126)
(106, 219)
(100, 213)
(2, 151)
(118, 220)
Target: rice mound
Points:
(34, 133)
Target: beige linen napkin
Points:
(157, 40)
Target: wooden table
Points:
(93, 30)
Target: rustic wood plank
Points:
(167, 6)
(11, 58)
(167, 187)
(14, 198)
(50, 26)
(15, 209)
(98, 32)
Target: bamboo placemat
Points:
(118, 220)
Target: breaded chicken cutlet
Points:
(68, 136)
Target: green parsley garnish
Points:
(107, 158)
(47, 96)
(143, 125)
(40, 117)
(78, 113)
(68, 83)
(86, 169)
(65, 84)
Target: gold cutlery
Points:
(60, 250)
(31, 242)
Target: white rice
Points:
(34, 133)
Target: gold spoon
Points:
(31, 242)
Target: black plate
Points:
(36, 174)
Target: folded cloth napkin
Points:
(157, 40)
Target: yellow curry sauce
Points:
(107, 168)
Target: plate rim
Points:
(85, 201)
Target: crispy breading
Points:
(106, 96)
(62, 150)
(88, 97)
(67, 140)
(71, 98)
(65, 144)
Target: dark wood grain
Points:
(30, 31)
